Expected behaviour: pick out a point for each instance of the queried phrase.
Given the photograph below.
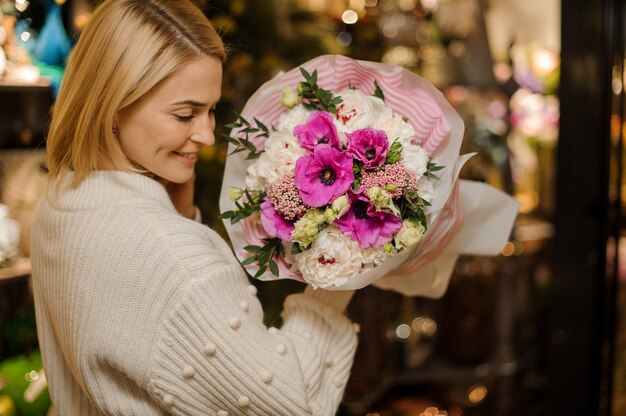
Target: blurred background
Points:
(537, 330)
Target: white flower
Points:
(409, 235)
(357, 111)
(425, 189)
(415, 158)
(332, 260)
(289, 120)
(373, 256)
(395, 127)
(282, 150)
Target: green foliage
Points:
(378, 92)
(431, 168)
(264, 256)
(251, 204)
(394, 155)
(412, 207)
(316, 98)
(241, 125)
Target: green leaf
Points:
(260, 272)
(378, 92)
(242, 120)
(253, 249)
(227, 214)
(260, 125)
(394, 155)
(249, 260)
(274, 268)
(296, 249)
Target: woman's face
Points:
(164, 131)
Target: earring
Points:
(115, 131)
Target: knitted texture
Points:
(143, 312)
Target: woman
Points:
(141, 310)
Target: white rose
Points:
(296, 116)
(332, 260)
(409, 235)
(359, 111)
(415, 158)
(282, 150)
(395, 127)
(425, 189)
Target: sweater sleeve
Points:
(214, 355)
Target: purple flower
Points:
(319, 129)
(369, 146)
(275, 224)
(323, 175)
(366, 226)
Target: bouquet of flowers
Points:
(342, 171)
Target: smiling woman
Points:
(164, 130)
(141, 311)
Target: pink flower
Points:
(324, 175)
(319, 129)
(366, 226)
(369, 146)
(285, 197)
(397, 175)
(275, 224)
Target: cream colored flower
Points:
(332, 260)
(282, 150)
(234, 193)
(288, 98)
(357, 111)
(395, 127)
(338, 207)
(374, 256)
(307, 228)
(289, 120)
(380, 199)
(409, 235)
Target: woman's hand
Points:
(181, 195)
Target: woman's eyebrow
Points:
(191, 102)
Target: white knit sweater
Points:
(143, 312)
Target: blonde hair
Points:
(127, 48)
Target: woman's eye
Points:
(184, 119)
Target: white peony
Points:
(373, 256)
(332, 260)
(415, 158)
(292, 118)
(395, 127)
(282, 150)
(357, 111)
